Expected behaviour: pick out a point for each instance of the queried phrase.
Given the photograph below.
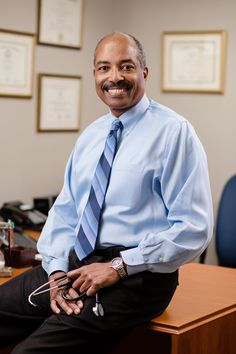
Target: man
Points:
(134, 207)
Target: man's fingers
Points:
(73, 273)
(70, 307)
(92, 290)
(76, 307)
(54, 307)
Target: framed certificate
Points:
(60, 23)
(193, 61)
(58, 103)
(16, 64)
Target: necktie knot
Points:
(116, 125)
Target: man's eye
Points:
(103, 68)
(127, 67)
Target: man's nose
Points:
(116, 75)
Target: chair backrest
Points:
(226, 225)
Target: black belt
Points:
(109, 252)
(98, 255)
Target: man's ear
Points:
(93, 72)
(145, 73)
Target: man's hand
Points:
(92, 277)
(57, 301)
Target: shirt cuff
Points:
(55, 265)
(134, 261)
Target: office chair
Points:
(226, 225)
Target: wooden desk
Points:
(34, 234)
(201, 318)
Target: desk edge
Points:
(193, 324)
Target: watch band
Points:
(118, 265)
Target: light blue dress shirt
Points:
(158, 201)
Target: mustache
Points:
(124, 84)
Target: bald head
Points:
(141, 53)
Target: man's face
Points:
(119, 78)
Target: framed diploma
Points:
(60, 23)
(193, 61)
(16, 64)
(58, 103)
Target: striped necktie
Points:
(89, 226)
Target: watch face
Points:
(116, 262)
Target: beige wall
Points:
(32, 164)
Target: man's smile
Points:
(117, 92)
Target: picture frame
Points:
(16, 64)
(59, 98)
(193, 61)
(60, 23)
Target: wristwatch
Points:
(118, 265)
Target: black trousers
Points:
(130, 302)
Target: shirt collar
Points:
(130, 118)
